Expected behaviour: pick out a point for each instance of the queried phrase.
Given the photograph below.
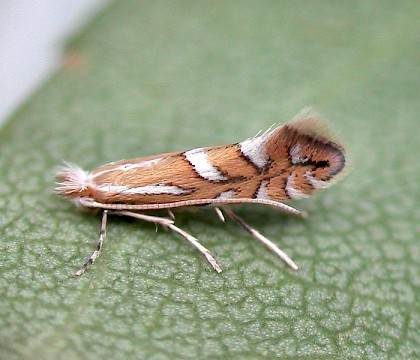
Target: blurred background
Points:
(32, 35)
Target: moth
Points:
(284, 163)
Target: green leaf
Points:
(153, 77)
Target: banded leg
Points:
(261, 238)
(170, 225)
(95, 254)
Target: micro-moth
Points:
(284, 163)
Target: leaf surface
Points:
(153, 77)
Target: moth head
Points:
(72, 182)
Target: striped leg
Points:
(170, 225)
(95, 254)
(261, 238)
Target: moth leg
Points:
(171, 214)
(194, 241)
(153, 219)
(261, 238)
(169, 224)
(219, 214)
(95, 254)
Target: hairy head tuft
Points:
(72, 181)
